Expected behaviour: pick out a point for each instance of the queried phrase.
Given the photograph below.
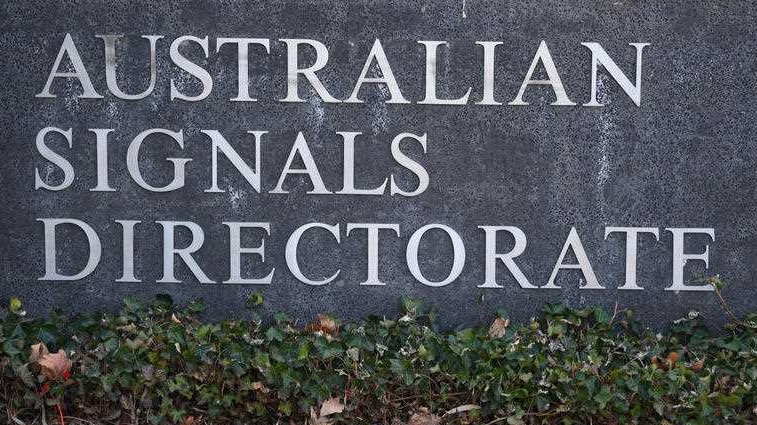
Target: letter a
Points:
(80, 71)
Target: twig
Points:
(15, 419)
(60, 414)
(724, 304)
(535, 414)
(412, 397)
(614, 313)
(44, 419)
(80, 420)
(461, 409)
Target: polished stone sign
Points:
(335, 156)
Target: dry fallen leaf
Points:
(461, 409)
(656, 362)
(191, 420)
(324, 324)
(671, 360)
(259, 386)
(135, 343)
(112, 416)
(498, 327)
(317, 420)
(698, 365)
(130, 328)
(55, 365)
(424, 417)
(327, 324)
(199, 375)
(331, 406)
(668, 363)
(175, 319)
(722, 383)
(37, 351)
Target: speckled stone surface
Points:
(685, 158)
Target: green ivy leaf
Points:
(274, 334)
(163, 302)
(601, 316)
(255, 299)
(603, 397)
(14, 305)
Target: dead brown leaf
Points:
(461, 409)
(259, 386)
(331, 406)
(498, 327)
(135, 343)
(698, 365)
(129, 329)
(668, 363)
(55, 365)
(721, 384)
(317, 420)
(656, 362)
(199, 375)
(191, 420)
(671, 360)
(37, 351)
(324, 324)
(424, 417)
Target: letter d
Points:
(95, 249)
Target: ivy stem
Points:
(724, 304)
(60, 414)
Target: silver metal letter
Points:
(373, 247)
(293, 70)
(110, 66)
(387, 76)
(598, 55)
(488, 98)
(219, 143)
(574, 242)
(128, 248)
(680, 258)
(95, 249)
(291, 252)
(410, 164)
(169, 251)
(132, 160)
(301, 147)
(102, 160)
(632, 236)
(236, 250)
(543, 55)
(490, 280)
(431, 98)
(243, 58)
(182, 62)
(349, 168)
(458, 249)
(48, 154)
(80, 72)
